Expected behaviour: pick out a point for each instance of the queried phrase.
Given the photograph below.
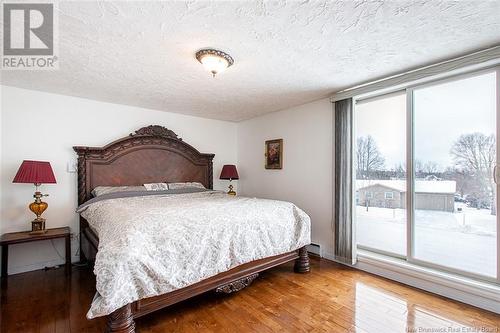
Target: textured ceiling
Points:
(286, 52)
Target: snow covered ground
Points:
(463, 240)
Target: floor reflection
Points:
(379, 310)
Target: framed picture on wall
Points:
(274, 154)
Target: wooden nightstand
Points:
(25, 237)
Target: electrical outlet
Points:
(71, 166)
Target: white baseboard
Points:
(477, 293)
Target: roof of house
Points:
(421, 186)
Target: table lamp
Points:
(37, 173)
(230, 173)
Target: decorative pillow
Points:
(175, 186)
(100, 190)
(156, 186)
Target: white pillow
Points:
(175, 186)
(156, 187)
(100, 190)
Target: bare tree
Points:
(425, 168)
(430, 167)
(368, 157)
(400, 171)
(475, 153)
(421, 169)
(418, 167)
(463, 179)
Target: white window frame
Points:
(368, 195)
(390, 197)
(410, 177)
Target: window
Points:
(380, 158)
(462, 113)
(436, 144)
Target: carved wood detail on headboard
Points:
(150, 154)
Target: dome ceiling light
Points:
(214, 61)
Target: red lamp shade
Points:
(229, 172)
(35, 172)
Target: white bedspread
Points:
(152, 245)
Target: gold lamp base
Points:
(38, 207)
(38, 226)
(231, 192)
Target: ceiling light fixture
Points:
(214, 60)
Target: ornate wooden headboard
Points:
(152, 154)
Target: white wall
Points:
(306, 177)
(43, 126)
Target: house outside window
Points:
(421, 220)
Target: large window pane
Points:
(380, 174)
(455, 141)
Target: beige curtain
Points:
(344, 238)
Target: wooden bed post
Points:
(302, 262)
(121, 321)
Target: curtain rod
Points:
(480, 59)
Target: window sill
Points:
(478, 293)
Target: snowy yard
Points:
(463, 240)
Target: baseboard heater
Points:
(314, 249)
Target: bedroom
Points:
(340, 128)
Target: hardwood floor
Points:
(332, 298)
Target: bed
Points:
(156, 154)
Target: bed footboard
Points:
(122, 320)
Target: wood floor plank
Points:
(332, 298)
